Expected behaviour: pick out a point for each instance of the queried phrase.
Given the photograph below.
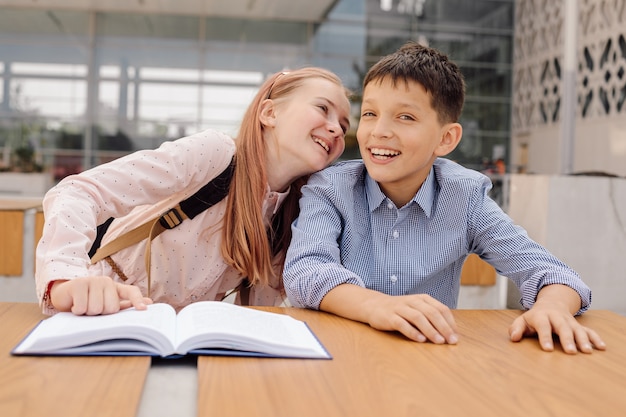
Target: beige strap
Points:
(127, 239)
(149, 229)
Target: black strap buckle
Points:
(170, 219)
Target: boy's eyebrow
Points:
(398, 104)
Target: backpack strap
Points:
(207, 196)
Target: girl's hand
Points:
(95, 295)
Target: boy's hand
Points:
(419, 317)
(550, 316)
(95, 295)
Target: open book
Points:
(202, 328)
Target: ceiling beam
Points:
(293, 10)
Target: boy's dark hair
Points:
(429, 67)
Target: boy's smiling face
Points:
(400, 135)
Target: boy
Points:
(383, 240)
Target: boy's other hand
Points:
(95, 295)
(545, 319)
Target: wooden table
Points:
(372, 373)
(63, 386)
(378, 374)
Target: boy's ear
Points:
(450, 138)
(267, 114)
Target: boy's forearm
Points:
(350, 301)
(560, 294)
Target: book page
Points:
(214, 324)
(66, 330)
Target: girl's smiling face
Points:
(305, 130)
(400, 136)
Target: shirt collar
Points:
(424, 197)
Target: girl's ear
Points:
(450, 138)
(267, 115)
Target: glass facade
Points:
(78, 88)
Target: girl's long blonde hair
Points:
(255, 252)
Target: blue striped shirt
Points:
(348, 231)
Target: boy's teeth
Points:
(384, 152)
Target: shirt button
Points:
(393, 278)
(395, 234)
(389, 205)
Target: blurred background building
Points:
(82, 82)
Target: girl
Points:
(294, 126)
